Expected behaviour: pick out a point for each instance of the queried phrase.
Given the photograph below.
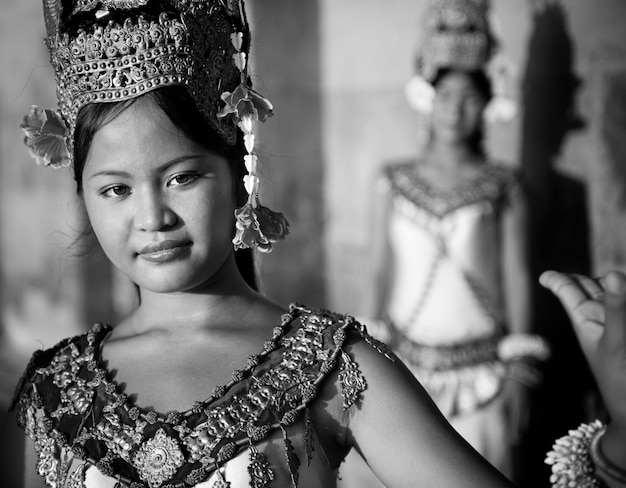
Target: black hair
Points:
(482, 83)
(178, 105)
(479, 78)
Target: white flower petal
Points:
(248, 142)
(251, 162)
(251, 183)
(236, 38)
(420, 94)
(240, 60)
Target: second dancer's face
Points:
(160, 204)
(458, 108)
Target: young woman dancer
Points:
(451, 259)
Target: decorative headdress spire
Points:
(113, 50)
(457, 34)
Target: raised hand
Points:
(597, 309)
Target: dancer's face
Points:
(160, 204)
(458, 108)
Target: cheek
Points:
(214, 214)
(105, 225)
(476, 117)
(222, 211)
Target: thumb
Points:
(615, 302)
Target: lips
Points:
(164, 251)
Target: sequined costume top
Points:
(256, 430)
(445, 306)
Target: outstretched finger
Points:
(587, 315)
(567, 289)
(615, 301)
(594, 288)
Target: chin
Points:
(174, 284)
(166, 282)
(159, 287)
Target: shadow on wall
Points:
(614, 128)
(560, 236)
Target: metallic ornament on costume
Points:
(87, 5)
(351, 381)
(309, 441)
(196, 476)
(114, 61)
(293, 461)
(220, 481)
(47, 464)
(116, 437)
(259, 469)
(158, 459)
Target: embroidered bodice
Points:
(256, 428)
(447, 245)
(445, 311)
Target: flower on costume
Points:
(245, 103)
(258, 226)
(46, 137)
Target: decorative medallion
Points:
(259, 469)
(351, 381)
(158, 459)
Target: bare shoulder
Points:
(393, 423)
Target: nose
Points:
(455, 109)
(153, 212)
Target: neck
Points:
(220, 302)
(450, 155)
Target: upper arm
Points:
(402, 435)
(32, 479)
(515, 261)
(380, 251)
(515, 228)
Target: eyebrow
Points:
(165, 165)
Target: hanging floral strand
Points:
(256, 225)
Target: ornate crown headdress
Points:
(457, 34)
(114, 50)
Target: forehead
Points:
(141, 134)
(456, 80)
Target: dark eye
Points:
(116, 191)
(182, 179)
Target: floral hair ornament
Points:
(46, 137)
(420, 94)
(256, 226)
